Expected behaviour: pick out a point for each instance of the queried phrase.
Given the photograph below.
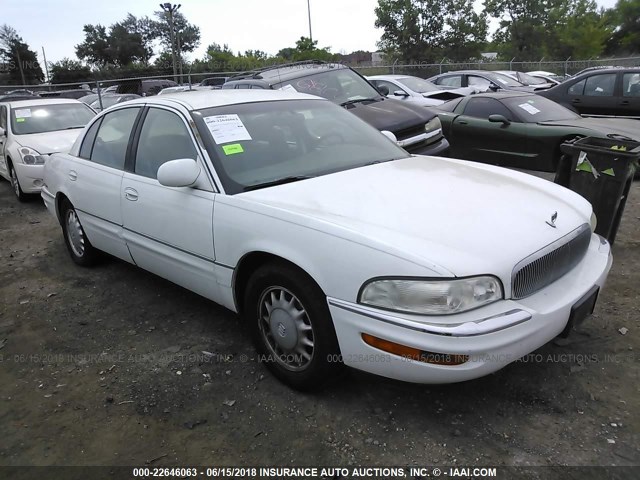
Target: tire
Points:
(15, 184)
(78, 245)
(289, 320)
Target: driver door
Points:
(169, 231)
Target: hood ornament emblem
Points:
(554, 217)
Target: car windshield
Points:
(418, 85)
(29, 119)
(502, 79)
(254, 145)
(536, 109)
(339, 85)
(530, 79)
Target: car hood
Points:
(606, 126)
(390, 114)
(50, 142)
(452, 216)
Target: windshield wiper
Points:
(358, 100)
(273, 183)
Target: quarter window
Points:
(110, 147)
(600, 85)
(631, 85)
(87, 142)
(163, 137)
(479, 82)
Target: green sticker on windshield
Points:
(19, 120)
(232, 149)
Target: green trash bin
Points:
(602, 171)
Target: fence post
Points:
(99, 94)
(441, 62)
(393, 67)
(566, 66)
(511, 63)
(540, 63)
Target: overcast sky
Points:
(268, 25)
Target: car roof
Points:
(390, 77)
(41, 101)
(198, 99)
(287, 72)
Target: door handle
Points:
(73, 176)
(130, 194)
(462, 122)
(575, 100)
(624, 102)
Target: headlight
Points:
(31, 157)
(432, 125)
(431, 297)
(593, 222)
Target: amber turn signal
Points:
(447, 359)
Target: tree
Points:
(95, 48)
(624, 20)
(23, 64)
(69, 71)
(577, 30)
(426, 30)
(185, 32)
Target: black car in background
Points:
(604, 91)
(416, 128)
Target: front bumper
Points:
(439, 148)
(29, 177)
(492, 336)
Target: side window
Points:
(452, 81)
(482, 107)
(163, 137)
(258, 87)
(242, 86)
(392, 87)
(87, 142)
(481, 83)
(600, 85)
(631, 85)
(110, 147)
(577, 88)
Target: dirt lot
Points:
(104, 366)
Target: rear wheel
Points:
(78, 245)
(291, 326)
(15, 184)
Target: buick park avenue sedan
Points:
(334, 245)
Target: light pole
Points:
(309, 10)
(170, 10)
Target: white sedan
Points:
(417, 90)
(32, 129)
(336, 246)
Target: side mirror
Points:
(493, 87)
(390, 136)
(400, 93)
(497, 118)
(384, 90)
(179, 173)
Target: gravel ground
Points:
(105, 366)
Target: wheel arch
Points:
(248, 264)
(60, 198)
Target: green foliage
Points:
(69, 71)
(624, 22)
(19, 61)
(189, 34)
(427, 30)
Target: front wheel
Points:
(15, 184)
(78, 245)
(291, 326)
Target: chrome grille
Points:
(549, 264)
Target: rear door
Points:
(629, 101)
(169, 231)
(596, 94)
(93, 179)
(474, 137)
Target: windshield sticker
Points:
(232, 149)
(529, 108)
(23, 113)
(227, 128)
(288, 88)
(20, 120)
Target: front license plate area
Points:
(581, 310)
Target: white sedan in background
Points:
(335, 246)
(417, 90)
(32, 129)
